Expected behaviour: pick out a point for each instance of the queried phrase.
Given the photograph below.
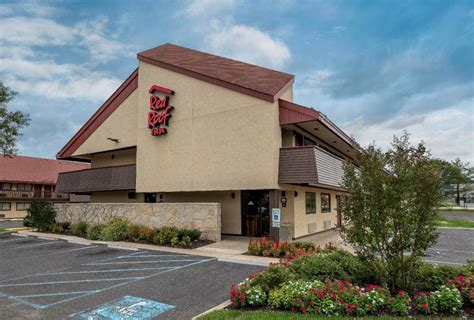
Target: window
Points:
(5, 206)
(132, 195)
(22, 206)
(325, 202)
(6, 186)
(24, 187)
(310, 202)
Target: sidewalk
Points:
(234, 255)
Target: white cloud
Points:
(92, 35)
(34, 31)
(208, 7)
(449, 133)
(30, 8)
(248, 44)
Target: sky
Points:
(375, 68)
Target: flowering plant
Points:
(426, 303)
(449, 299)
(246, 294)
(400, 304)
(465, 285)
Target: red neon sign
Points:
(160, 110)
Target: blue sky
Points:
(374, 67)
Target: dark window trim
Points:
(9, 206)
(306, 202)
(132, 195)
(17, 209)
(329, 195)
(4, 183)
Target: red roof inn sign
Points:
(160, 110)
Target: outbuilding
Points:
(188, 126)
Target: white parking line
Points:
(101, 271)
(450, 250)
(444, 262)
(11, 240)
(33, 245)
(140, 262)
(32, 284)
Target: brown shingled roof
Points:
(246, 78)
(20, 169)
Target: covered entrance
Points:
(255, 213)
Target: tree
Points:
(11, 122)
(392, 203)
(455, 173)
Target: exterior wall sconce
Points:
(232, 195)
(296, 194)
(116, 140)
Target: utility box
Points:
(286, 232)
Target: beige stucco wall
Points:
(114, 158)
(218, 139)
(295, 212)
(202, 216)
(121, 124)
(230, 207)
(13, 213)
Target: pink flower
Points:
(293, 310)
(424, 306)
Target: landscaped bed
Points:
(337, 283)
(449, 223)
(119, 229)
(41, 216)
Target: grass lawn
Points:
(268, 315)
(442, 222)
(456, 209)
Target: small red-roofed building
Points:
(26, 179)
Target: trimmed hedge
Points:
(119, 229)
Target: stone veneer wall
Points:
(205, 217)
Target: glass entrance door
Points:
(255, 213)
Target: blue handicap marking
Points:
(126, 308)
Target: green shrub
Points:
(166, 235)
(115, 230)
(94, 231)
(289, 295)
(317, 266)
(428, 277)
(400, 304)
(273, 277)
(133, 233)
(79, 229)
(186, 242)
(40, 215)
(448, 299)
(66, 225)
(193, 234)
(57, 227)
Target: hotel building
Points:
(188, 126)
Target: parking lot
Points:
(454, 246)
(54, 279)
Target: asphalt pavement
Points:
(55, 279)
(454, 246)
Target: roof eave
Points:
(231, 86)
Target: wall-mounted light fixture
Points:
(232, 195)
(116, 140)
(296, 194)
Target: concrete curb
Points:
(218, 307)
(455, 228)
(220, 255)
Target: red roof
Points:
(239, 76)
(20, 169)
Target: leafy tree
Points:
(456, 173)
(11, 122)
(391, 206)
(40, 215)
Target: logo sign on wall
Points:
(160, 110)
